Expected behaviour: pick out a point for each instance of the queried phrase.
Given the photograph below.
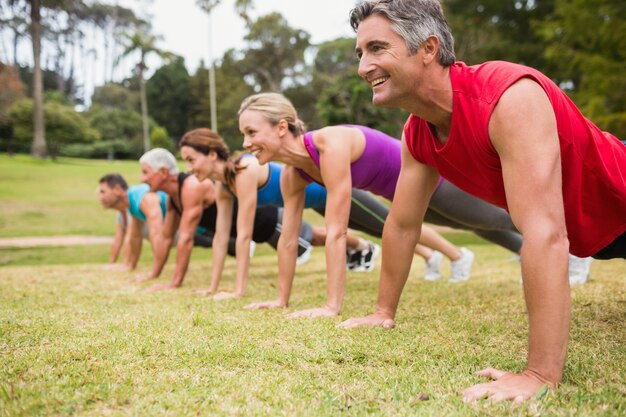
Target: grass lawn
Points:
(78, 340)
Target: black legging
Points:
(449, 206)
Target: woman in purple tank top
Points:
(339, 157)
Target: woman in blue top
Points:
(253, 185)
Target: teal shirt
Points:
(136, 194)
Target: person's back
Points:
(592, 161)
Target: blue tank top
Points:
(269, 193)
(136, 194)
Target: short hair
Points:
(158, 158)
(114, 179)
(414, 21)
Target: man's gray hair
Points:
(413, 20)
(158, 158)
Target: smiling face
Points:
(385, 62)
(198, 163)
(154, 178)
(260, 137)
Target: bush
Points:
(160, 139)
(63, 125)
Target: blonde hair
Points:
(205, 140)
(275, 107)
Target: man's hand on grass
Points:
(507, 386)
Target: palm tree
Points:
(38, 149)
(241, 7)
(145, 44)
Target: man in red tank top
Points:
(561, 178)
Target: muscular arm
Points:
(192, 200)
(247, 203)
(151, 208)
(292, 188)
(401, 233)
(163, 245)
(531, 166)
(118, 240)
(135, 239)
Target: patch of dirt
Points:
(29, 242)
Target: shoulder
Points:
(336, 136)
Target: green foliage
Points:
(348, 100)
(114, 95)
(159, 138)
(591, 61)
(168, 93)
(275, 52)
(63, 125)
(121, 131)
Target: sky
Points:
(185, 27)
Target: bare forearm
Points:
(336, 272)
(134, 250)
(161, 253)
(183, 253)
(220, 248)
(243, 264)
(287, 254)
(546, 290)
(398, 246)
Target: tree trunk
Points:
(144, 110)
(38, 149)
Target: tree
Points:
(168, 93)
(275, 52)
(38, 149)
(64, 125)
(590, 64)
(145, 44)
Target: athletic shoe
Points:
(353, 259)
(578, 269)
(368, 258)
(252, 248)
(306, 255)
(461, 267)
(431, 270)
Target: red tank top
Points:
(593, 162)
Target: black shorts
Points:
(615, 249)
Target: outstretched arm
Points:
(531, 167)
(246, 186)
(292, 188)
(401, 233)
(151, 208)
(225, 207)
(163, 243)
(337, 148)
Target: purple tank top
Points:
(377, 170)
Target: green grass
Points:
(45, 198)
(78, 340)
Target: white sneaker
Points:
(252, 248)
(578, 269)
(461, 267)
(368, 258)
(306, 255)
(431, 269)
(353, 259)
